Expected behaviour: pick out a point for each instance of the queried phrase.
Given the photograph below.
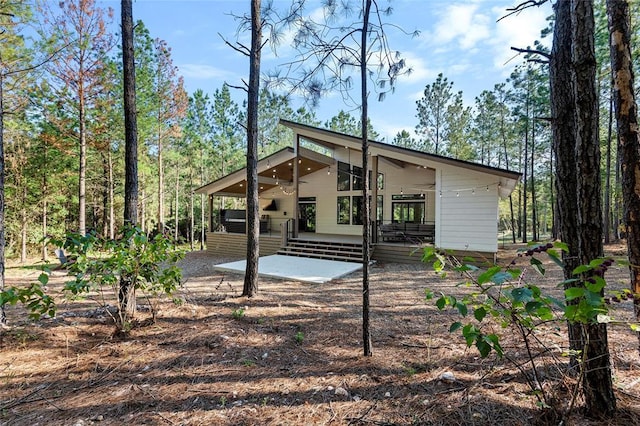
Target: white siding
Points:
(467, 210)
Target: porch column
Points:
(374, 198)
(210, 212)
(296, 186)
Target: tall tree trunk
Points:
(112, 218)
(82, 178)
(45, 182)
(3, 316)
(191, 210)
(250, 287)
(506, 162)
(126, 294)
(563, 123)
(176, 221)
(597, 382)
(366, 203)
(23, 228)
(607, 187)
(105, 196)
(534, 210)
(160, 225)
(202, 216)
(628, 138)
(525, 175)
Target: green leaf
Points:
(462, 308)
(597, 286)
(480, 313)
(428, 294)
(521, 294)
(573, 293)
(555, 257)
(487, 276)
(455, 326)
(501, 277)
(562, 246)
(43, 278)
(635, 327)
(581, 269)
(483, 347)
(494, 341)
(537, 265)
(441, 303)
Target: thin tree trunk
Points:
(366, 204)
(82, 191)
(112, 218)
(3, 316)
(534, 211)
(506, 162)
(126, 293)
(525, 174)
(202, 218)
(160, 225)
(191, 210)
(45, 255)
(176, 215)
(23, 229)
(250, 287)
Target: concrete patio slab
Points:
(295, 268)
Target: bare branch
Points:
(41, 63)
(238, 48)
(533, 52)
(522, 6)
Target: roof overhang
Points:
(401, 157)
(274, 170)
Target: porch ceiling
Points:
(277, 174)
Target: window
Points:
(357, 178)
(344, 210)
(408, 208)
(350, 178)
(344, 177)
(356, 212)
(380, 210)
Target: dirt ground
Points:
(290, 356)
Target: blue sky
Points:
(461, 39)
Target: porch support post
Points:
(296, 187)
(210, 212)
(374, 198)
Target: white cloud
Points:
(520, 31)
(462, 23)
(203, 71)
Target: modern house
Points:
(312, 193)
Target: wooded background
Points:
(60, 70)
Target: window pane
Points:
(380, 210)
(380, 181)
(344, 208)
(357, 178)
(344, 179)
(357, 213)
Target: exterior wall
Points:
(323, 186)
(285, 204)
(467, 211)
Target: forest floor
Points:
(293, 356)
